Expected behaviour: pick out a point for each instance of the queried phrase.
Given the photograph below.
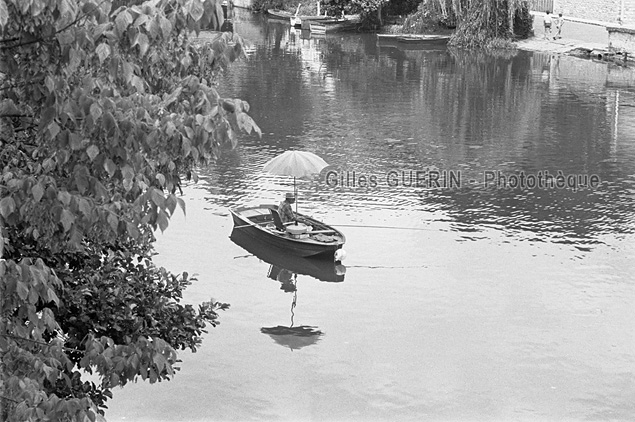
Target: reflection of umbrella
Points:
(293, 337)
(296, 164)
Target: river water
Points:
(470, 293)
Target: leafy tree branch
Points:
(99, 127)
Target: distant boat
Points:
(438, 40)
(328, 24)
(295, 19)
(313, 239)
(279, 14)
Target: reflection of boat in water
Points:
(311, 238)
(283, 264)
(412, 41)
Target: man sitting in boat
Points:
(285, 210)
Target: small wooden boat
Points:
(328, 25)
(279, 14)
(280, 260)
(294, 18)
(307, 238)
(438, 40)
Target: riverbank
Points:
(578, 37)
(581, 38)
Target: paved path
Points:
(575, 35)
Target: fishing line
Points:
(382, 227)
(373, 267)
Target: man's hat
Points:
(290, 195)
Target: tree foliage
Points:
(103, 113)
(478, 22)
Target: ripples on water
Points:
(372, 110)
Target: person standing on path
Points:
(559, 23)
(547, 23)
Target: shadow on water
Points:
(285, 268)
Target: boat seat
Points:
(280, 225)
(277, 220)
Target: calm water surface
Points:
(484, 302)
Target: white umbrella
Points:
(296, 164)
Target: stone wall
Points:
(598, 10)
(622, 39)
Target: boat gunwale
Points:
(306, 241)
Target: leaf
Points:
(137, 82)
(128, 71)
(113, 221)
(37, 191)
(181, 203)
(157, 197)
(103, 51)
(7, 206)
(127, 172)
(141, 19)
(166, 27)
(186, 146)
(154, 29)
(143, 43)
(4, 14)
(95, 111)
(85, 207)
(54, 129)
(170, 203)
(64, 197)
(67, 7)
(173, 96)
(163, 220)
(81, 179)
(76, 141)
(110, 167)
(122, 21)
(7, 106)
(92, 152)
(196, 10)
(22, 290)
(67, 218)
(109, 122)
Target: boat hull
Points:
(260, 231)
(413, 39)
(320, 269)
(329, 25)
(279, 14)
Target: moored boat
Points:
(307, 237)
(279, 14)
(327, 25)
(414, 38)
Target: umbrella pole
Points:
(295, 192)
